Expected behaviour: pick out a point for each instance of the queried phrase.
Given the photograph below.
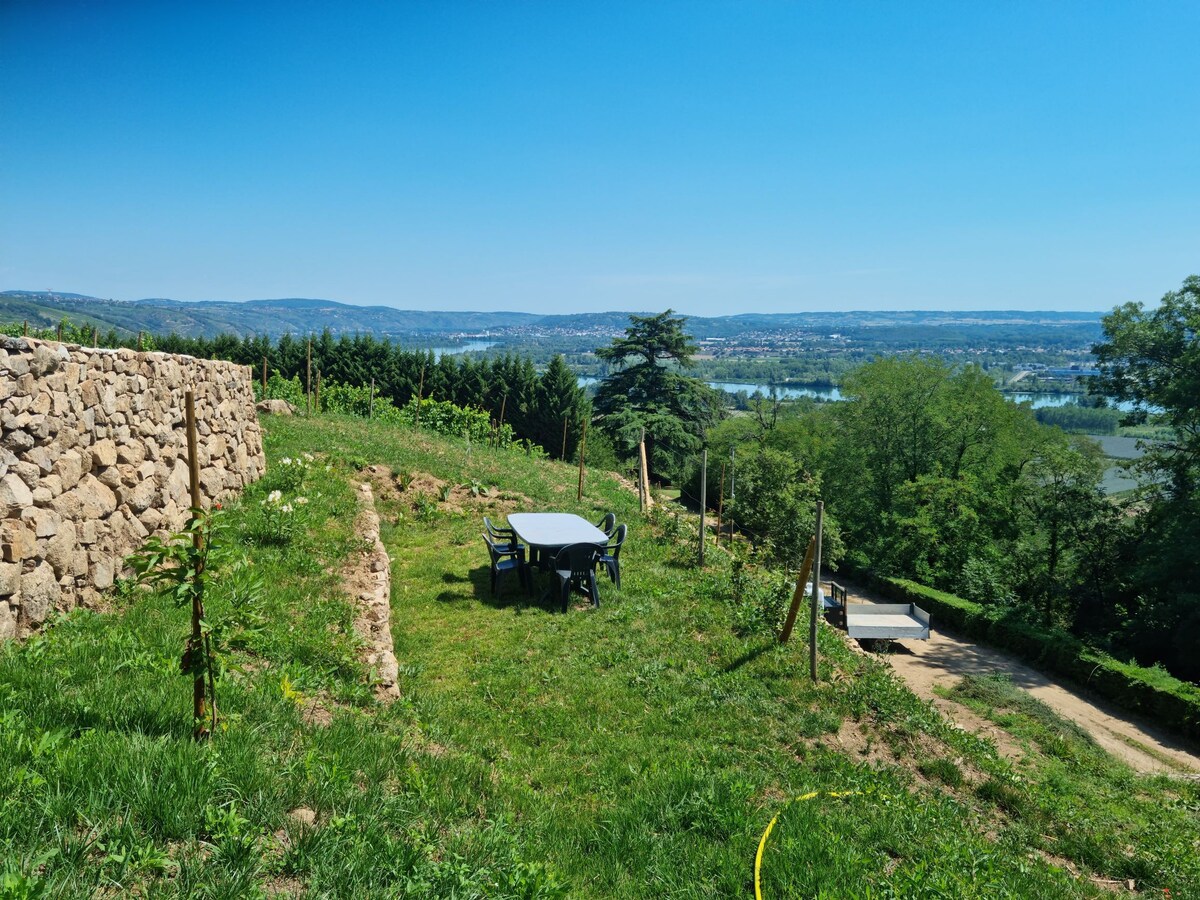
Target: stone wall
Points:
(93, 459)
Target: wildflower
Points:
(308, 457)
(301, 501)
(275, 496)
(286, 461)
(286, 508)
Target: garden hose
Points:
(762, 843)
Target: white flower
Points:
(287, 461)
(274, 496)
(308, 457)
(286, 508)
(329, 468)
(300, 501)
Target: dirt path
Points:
(945, 658)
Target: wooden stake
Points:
(25, 331)
(703, 498)
(371, 401)
(720, 504)
(563, 455)
(264, 377)
(318, 400)
(798, 596)
(60, 332)
(95, 337)
(816, 597)
(420, 391)
(140, 342)
(503, 405)
(196, 642)
(582, 448)
(308, 381)
(645, 469)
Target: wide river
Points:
(791, 392)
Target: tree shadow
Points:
(750, 655)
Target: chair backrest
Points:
(496, 532)
(496, 551)
(606, 524)
(579, 558)
(614, 546)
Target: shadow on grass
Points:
(752, 654)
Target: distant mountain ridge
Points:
(298, 315)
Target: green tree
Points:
(649, 390)
(1152, 359)
(559, 398)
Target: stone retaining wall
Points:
(93, 459)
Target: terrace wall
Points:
(93, 459)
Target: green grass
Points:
(638, 750)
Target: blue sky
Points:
(712, 157)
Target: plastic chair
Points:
(505, 537)
(506, 559)
(610, 556)
(575, 565)
(606, 524)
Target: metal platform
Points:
(886, 621)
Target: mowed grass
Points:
(638, 750)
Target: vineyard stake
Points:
(195, 644)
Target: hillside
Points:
(636, 750)
(298, 316)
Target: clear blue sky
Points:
(556, 156)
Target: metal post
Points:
(703, 497)
(582, 448)
(816, 595)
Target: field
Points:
(637, 750)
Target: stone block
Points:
(40, 594)
(14, 495)
(10, 578)
(104, 453)
(8, 621)
(17, 543)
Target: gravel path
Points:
(945, 658)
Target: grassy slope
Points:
(634, 751)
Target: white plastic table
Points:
(550, 532)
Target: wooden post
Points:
(95, 337)
(195, 647)
(720, 504)
(582, 448)
(308, 381)
(644, 468)
(503, 406)
(420, 391)
(264, 377)
(563, 455)
(140, 342)
(703, 497)
(25, 330)
(798, 596)
(317, 402)
(732, 476)
(816, 597)
(60, 332)
(371, 406)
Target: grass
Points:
(638, 750)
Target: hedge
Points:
(1147, 691)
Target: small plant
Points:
(280, 519)
(425, 508)
(289, 475)
(444, 492)
(404, 480)
(476, 488)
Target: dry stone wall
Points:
(93, 460)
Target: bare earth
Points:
(943, 659)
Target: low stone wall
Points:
(93, 459)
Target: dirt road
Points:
(945, 658)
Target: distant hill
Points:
(302, 315)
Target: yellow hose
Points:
(762, 843)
